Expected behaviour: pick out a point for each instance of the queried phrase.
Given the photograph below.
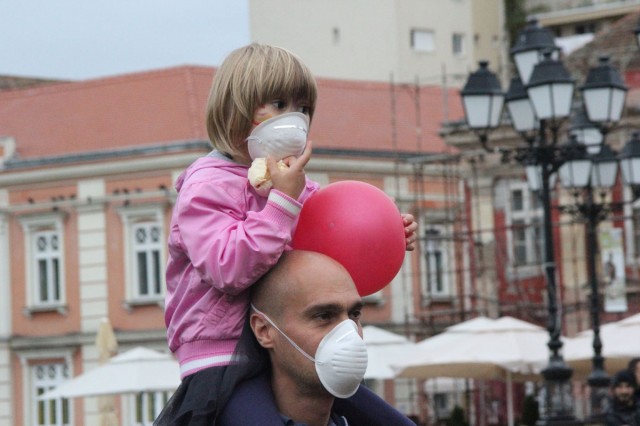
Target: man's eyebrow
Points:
(332, 307)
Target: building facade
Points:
(86, 193)
(429, 42)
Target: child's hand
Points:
(290, 181)
(410, 227)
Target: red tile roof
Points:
(168, 105)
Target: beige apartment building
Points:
(432, 42)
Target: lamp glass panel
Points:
(497, 102)
(617, 104)
(604, 104)
(630, 168)
(477, 109)
(534, 177)
(522, 115)
(575, 173)
(541, 100)
(603, 174)
(562, 99)
(551, 101)
(525, 62)
(591, 138)
(597, 102)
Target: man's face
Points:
(323, 296)
(623, 393)
(636, 371)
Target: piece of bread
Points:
(259, 176)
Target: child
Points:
(224, 234)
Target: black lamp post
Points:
(538, 101)
(584, 173)
(604, 95)
(549, 89)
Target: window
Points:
(422, 40)
(336, 35)
(441, 405)
(436, 263)
(146, 246)
(147, 406)
(52, 412)
(525, 220)
(457, 44)
(47, 266)
(144, 254)
(405, 393)
(44, 258)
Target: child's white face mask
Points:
(279, 136)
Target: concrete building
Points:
(408, 41)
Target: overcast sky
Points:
(82, 39)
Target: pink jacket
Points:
(223, 237)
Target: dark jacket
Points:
(252, 404)
(618, 415)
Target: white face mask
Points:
(279, 136)
(341, 358)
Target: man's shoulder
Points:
(252, 403)
(367, 408)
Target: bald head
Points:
(295, 275)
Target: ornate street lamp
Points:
(528, 49)
(538, 101)
(605, 168)
(585, 132)
(482, 98)
(523, 117)
(552, 89)
(604, 94)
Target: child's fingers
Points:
(272, 165)
(407, 218)
(299, 163)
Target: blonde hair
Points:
(247, 79)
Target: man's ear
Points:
(262, 330)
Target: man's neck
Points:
(302, 407)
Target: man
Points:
(623, 410)
(298, 308)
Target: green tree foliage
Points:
(516, 18)
(457, 417)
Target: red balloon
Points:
(357, 225)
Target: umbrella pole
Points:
(509, 399)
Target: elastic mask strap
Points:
(281, 332)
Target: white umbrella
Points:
(620, 343)
(384, 347)
(482, 348)
(137, 370)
